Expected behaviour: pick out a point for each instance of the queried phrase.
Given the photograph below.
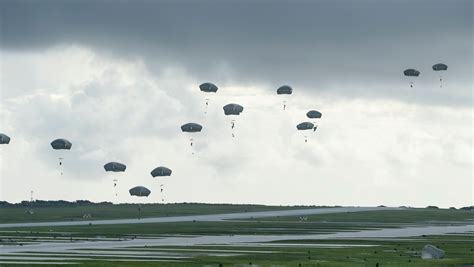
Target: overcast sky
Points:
(119, 78)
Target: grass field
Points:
(394, 252)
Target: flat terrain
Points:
(16, 214)
(197, 217)
(330, 237)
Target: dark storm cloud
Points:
(349, 48)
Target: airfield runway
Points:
(211, 217)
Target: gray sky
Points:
(119, 78)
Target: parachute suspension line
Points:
(191, 144)
(232, 126)
(61, 165)
(163, 196)
(305, 137)
(115, 187)
(207, 105)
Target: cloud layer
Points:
(119, 79)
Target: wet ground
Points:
(153, 248)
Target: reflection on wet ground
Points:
(144, 249)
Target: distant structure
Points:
(303, 218)
(29, 209)
(431, 252)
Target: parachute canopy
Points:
(191, 127)
(440, 66)
(313, 114)
(208, 87)
(305, 126)
(233, 109)
(139, 191)
(4, 139)
(114, 167)
(411, 72)
(285, 90)
(61, 144)
(161, 171)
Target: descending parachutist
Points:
(233, 135)
(315, 127)
(233, 125)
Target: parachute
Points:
(139, 191)
(304, 126)
(4, 139)
(161, 171)
(440, 67)
(61, 144)
(313, 114)
(208, 88)
(115, 167)
(411, 73)
(284, 90)
(191, 128)
(233, 109)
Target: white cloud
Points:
(365, 152)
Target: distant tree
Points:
(432, 207)
(5, 204)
